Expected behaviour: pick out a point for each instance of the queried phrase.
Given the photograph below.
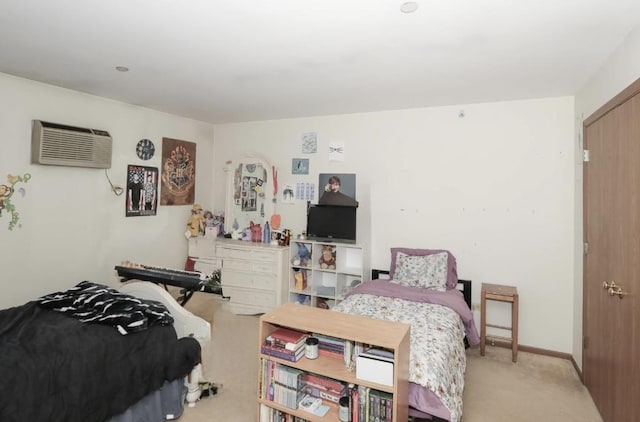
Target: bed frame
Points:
(185, 323)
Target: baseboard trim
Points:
(545, 352)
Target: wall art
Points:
(6, 193)
(299, 166)
(142, 191)
(309, 143)
(337, 189)
(178, 172)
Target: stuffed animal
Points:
(328, 257)
(303, 255)
(246, 234)
(196, 223)
(285, 238)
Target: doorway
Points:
(611, 284)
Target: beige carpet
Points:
(536, 388)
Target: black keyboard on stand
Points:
(188, 281)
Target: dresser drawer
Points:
(251, 297)
(268, 256)
(202, 247)
(251, 266)
(248, 279)
(246, 254)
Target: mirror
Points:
(249, 193)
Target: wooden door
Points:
(612, 230)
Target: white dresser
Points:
(254, 275)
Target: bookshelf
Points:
(385, 334)
(312, 284)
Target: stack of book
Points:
(285, 343)
(330, 346)
(323, 387)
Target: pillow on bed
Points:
(428, 272)
(452, 271)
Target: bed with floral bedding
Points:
(422, 291)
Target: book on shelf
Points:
(287, 385)
(282, 353)
(323, 338)
(288, 335)
(330, 354)
(287, 338)
(378, 353)
(323, 387)
(309, 403)
(368, 404)
(268, 414)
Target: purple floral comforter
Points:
(439, 322)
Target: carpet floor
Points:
(536, 388)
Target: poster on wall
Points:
(178, 172)
(337, 189)
(142, 191)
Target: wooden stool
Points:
(501, 294)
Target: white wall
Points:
(495, 187)
(73, 227)
(619, 71)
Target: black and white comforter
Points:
(94, 303)
(57, 368)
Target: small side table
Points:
(499, 293)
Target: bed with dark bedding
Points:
(422, 290)
(57, 366)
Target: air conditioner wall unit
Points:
(63, 145)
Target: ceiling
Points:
(244, 60)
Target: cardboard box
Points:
(374, 369)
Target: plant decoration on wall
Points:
(7, 191)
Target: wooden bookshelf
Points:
(385, 334)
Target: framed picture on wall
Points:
(337, 189)
(142, 191)
(299, 166)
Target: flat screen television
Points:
(334, 223)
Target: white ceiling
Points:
(242, 60)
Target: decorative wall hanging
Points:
(142, 191)
(6, 192)
(288, 195)
(299, 166)
(305, 191)
(178, 172)
(336, 152)
(145, 149)
(309, 143)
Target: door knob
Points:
(617, 290)
(611, 285)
